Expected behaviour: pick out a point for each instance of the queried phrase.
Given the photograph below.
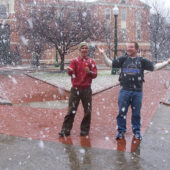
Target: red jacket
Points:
(79, 77)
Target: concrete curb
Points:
(5, 101)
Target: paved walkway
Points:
(39, 127)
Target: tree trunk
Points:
(37, 60)
(62, 62)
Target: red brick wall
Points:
(136, 6)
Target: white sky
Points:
(164, 3)
(167, 3)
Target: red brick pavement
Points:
(20, 88)
(44, 124)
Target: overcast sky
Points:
(167, 3)
(163, 3)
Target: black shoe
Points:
(120, 135)
(138, 136)
(83, 133)
(64, 134)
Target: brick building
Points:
(132, 25)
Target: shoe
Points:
(120, 135)
(83, 133)
(64, 134)
(138, 136)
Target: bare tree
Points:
(159, 31)
(32, 40)
(63, 26)
(108, 37)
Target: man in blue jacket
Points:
(131, 82)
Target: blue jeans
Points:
(126, 98)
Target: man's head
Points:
(83, 48)
(132, 49)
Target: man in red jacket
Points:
(82, 70)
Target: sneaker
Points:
(138, 136)
(83, 133)
(120, 135)
(64, 134)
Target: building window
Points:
(73, 16)
(123, 26)
(138, 36)
(123, 15)
(138, 17)
(3, 11)
(138, 25)
(5, 57)
(123, 34)
(107, 13)
(123, 1)
(108, 33)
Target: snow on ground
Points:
(103, 81)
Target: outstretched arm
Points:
(108, 61)
(159, 66)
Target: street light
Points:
(115, 13)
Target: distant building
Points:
(132, 22)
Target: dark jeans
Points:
(126, 98)
(85, 95)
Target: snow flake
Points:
(61, 91)
(139, 78)
(98, 113)
(74, 112)
(123, 109)
(166, 131)
(106, 138)
(30, 23)
(28, 157)
(41, 144)
(82, 151)
(54, 96)
(35, 3)
(73, 76)
(162, 138)
(151, 123)
(13, 79)
(24, 40)
(30, 139)
(84, 14)
(134, 142)
(167, 84)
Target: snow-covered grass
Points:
(104, 79)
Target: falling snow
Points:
(41, 144)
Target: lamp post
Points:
(115, 13)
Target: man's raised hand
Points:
(69, 69)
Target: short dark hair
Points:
(136, 45)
